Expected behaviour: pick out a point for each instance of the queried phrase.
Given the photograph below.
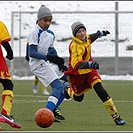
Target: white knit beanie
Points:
(43, 12)
(76, 26)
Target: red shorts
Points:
(82, 83)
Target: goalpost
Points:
(119, 23)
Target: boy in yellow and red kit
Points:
(5, 79)
(82, 74)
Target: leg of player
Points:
(34, 85)
(7, 98)
(57, 111)
(57, 114)
(44, 90)
(103, 95)
(55, 96)
(108, 103)
(68, 92)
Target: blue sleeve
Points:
(52, 51)
(34, 53)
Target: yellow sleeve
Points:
(4, 34)
(77, 52)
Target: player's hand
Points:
(103, 33)
(55, 59)
(27, 58)
(62, 67)
(94, 65)
(9, 57)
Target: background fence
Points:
(113, 52)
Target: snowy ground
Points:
(104, 77)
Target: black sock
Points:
(101, 92)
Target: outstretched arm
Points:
(98, 34)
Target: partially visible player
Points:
(35, 80)
(35, 87)
(5, 79)
(82, 69)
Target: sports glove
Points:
(103, 33)
(94, 65)
(27, 57)
(9, 57)
(62, 67)
(55, 59)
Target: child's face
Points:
(81, 34)
(45, 22)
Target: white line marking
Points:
(40, 101)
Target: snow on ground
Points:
(104, 77)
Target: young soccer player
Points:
(82, 70)
(5, 79)
(41, 52)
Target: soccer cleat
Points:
(34, 89)
(56, 120)
(9, 120)
(57, 114)
(45, 92)
(65, 93)
(119, 121)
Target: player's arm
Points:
(93, 37)
(77, 61)
(33, 52)
(8, 49)
(27, 49)
(89, 64)
(52, 51)
(98, 34)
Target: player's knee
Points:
(79, 98)
(57, 88)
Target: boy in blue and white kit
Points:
(41, 52)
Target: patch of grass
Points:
(89, 115)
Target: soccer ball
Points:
(44, 117)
